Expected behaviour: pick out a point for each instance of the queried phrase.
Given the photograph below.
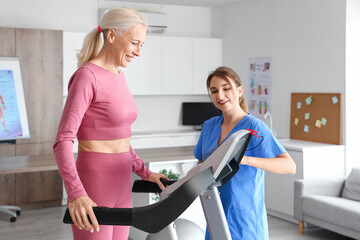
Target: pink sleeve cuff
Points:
(74, 196)
(138, 166)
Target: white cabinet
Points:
(168, 139)
(177, 65)
(207, 56)
(313, 160)
(145, 71)
(166, 66)
(174, 65)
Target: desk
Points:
(30, 181)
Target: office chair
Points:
(6, 209)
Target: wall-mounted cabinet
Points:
(177, 65)
(174, 66)
(144, 72)
(167, 66)
(207, 56)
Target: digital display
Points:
(196, 113)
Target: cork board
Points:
(316, 117)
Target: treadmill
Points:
(201, 181)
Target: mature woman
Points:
(99, 110)
(243, 196)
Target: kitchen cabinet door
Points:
(177, 65)
(207, 56)
(145, 71)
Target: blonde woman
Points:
(243, 196)
(99, 110)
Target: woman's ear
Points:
(110, 35)
(241, 90)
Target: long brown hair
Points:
(227, 73)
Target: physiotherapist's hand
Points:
(155, 177)
(80, 208)
(244, 160)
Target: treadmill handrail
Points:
(218, 160)
(155, 217)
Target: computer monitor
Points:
(196, 113)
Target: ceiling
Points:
(193, 3)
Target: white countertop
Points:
(142, 134)
(298, 145)
(166, 154)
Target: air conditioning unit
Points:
(156, 21)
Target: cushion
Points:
(339, 211)
(352, 185)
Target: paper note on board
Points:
(306, 128)
(318, 123)
(334, 99)
(307, 116)
(323, 121)
(308, 100)
(296, 121)
(299, 105)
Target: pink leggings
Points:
(107, 180)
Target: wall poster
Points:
(260, 86)
(13, 117)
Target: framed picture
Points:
(13, 117)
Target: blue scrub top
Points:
(243, 196)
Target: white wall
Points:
(82, 16)
(305, 39)
(352, 83)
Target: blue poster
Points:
(10, 124)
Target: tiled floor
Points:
(46, 224)
(283, 230)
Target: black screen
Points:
(196, 113)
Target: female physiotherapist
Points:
(243, 196)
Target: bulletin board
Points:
(316, 117)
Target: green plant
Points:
(170, 174)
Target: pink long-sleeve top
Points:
(99, 106)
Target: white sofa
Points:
(333, 204)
